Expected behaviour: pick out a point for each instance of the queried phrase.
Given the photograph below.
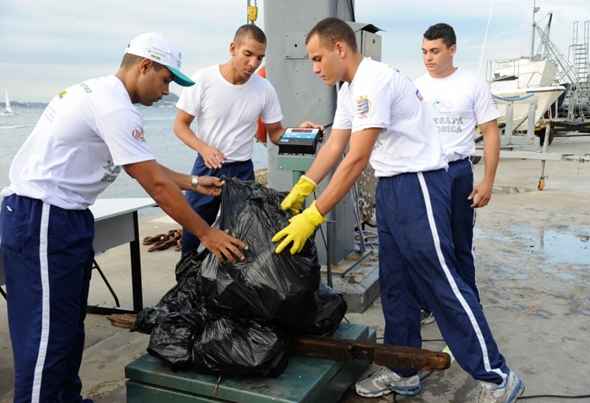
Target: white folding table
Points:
(116, 223)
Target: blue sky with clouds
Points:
(48, 45)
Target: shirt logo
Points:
(137, 134)
(419, 96)
(86, 88)
(362, 106)
(449, 124)
(111, 171)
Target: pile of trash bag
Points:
(239, 318)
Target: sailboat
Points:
(521, 82)
(527, 87)
(7, 109)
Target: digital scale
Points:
(298, 140)
(297, 150)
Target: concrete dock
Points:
(533, 267)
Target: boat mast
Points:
(535, 9)
(7, 108)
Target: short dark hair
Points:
(252, 31)
(331, 30)
(129, 60)
(441, 31)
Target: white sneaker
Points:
(384, 381)
(492, 393)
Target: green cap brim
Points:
(180, 78)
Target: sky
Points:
(49, 45)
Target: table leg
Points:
(136, 267)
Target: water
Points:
(569, 245)
(563, 245)
(169, 150)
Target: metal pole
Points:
(509, 121)
(359, 222)
(533, 33)
(541, 183)
(531, 119)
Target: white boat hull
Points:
(522, 82)
(542, 97)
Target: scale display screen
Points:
(299, 141)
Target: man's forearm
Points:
(342, 181)
(181, 180)
(188, 137)
(325, 160)
(491, 152)
(157, 182)
(170, 199)
(275, 134)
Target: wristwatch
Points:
(194, 182)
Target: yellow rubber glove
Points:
(296, 197)
(301, 227)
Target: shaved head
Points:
(250, 31)
(332, 30)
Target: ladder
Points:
(578, 55)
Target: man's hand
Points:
(209, 185)
(212, 157)
(293, 202)
(481, 194)
(301, 227)
(310, 125)
(223, 246)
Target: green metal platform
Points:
(305, 380)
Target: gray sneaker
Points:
(384, 381)
(492, 393)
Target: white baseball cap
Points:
(153, 46)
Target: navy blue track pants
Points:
(418, 266)
(463, 220)
(47, 255)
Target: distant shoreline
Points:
(169, 99)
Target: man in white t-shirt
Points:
(459, 102)
(381, 119)
(87, 133)
(225, 103)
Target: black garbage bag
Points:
(183, 300)
(224, 318)
(172, 341)
(232, 347)
(331, 308)
(266, 286)
(147, 319)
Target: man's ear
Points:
(145, 65)
(341, 49)
(232, 48)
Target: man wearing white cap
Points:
(77, 148)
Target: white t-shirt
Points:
(380, 97)
(78, 145)
(226, 114)
(459, 102)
